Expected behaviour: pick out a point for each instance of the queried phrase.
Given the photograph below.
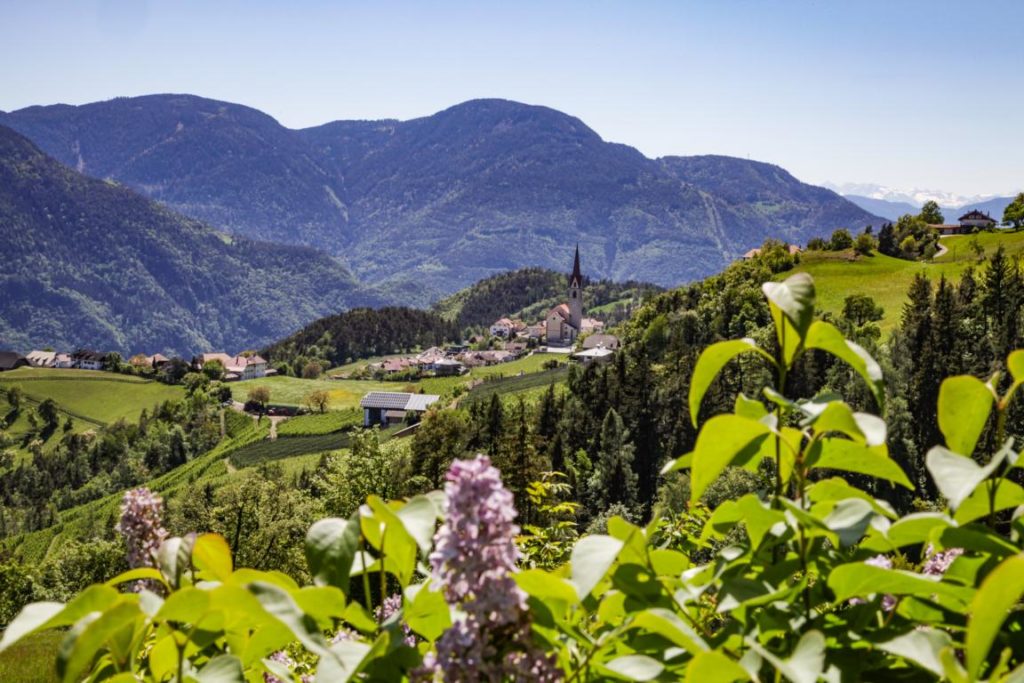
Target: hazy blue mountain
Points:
(426, 206)
(88, 263)
(892, 210)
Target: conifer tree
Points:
(613, 479)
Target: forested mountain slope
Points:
(87, 263)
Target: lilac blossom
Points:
(937, 563)
(473, 561)
(387, 609)
(142, 529)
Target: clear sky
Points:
(906, 93)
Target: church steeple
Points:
(576, 293)
(576, 279)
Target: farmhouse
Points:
(386, 407)
(42, 359)
(601, 341)
(235, 368)
(597, 355)
(502, 327)
(85, 359)
(9, 360)
(967, 224)
(753, 253)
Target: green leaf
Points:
(185, 606)
(914, 529)
(806, 662)
(1008, 495)
(794, 297)
(31, 618)
(138, 574)
(923, 646)
(221, 669)
(825, 337)
(419, 517)
(711, 362)
(849, 518)
(965, 404)
(999, 592)
(40, 616)
(331, 545)
(635, 667)
(81, 647)
(669, 626)
(591, 559)
(749, 408)
(426, 611)
(714, 667)
(850, 456)
(858, 579)
(280, 605)
(723, 440)
(211, 555)
(955, 475)
(174, 558)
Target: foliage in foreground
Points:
(812, 579)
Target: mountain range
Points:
(420, 208)
(87, 262)
(892, 203)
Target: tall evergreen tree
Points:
(613, 479)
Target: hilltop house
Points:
(502, 327)
(42, 359)
(967, 224)
(85, 359)
(753, 253)
(601, 341)
(9, 360)
(236, 368)
(389, 407)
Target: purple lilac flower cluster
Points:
(474, 557)
(384, 612)
(937, 563)
(141, 526)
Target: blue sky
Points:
(900, 92)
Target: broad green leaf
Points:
(683, 462)
(31, 618)
(426, 611)
(546, 586)
(825, 337)
(711, 362)
(955, 475)
(174, 558)
(347, 657)
(724, 440)
(850, 456)
(138, 574)
(965, 404)
(914, 529)
(323, 603)
(81, 647)
(221, 669)
(419, 517)
(923, 646)
(999, 592)
(837, 488)
(1008, 495)
(280, 605)
(635, 667)
(211, 555)
(185, 606)
(40, 616)
(858, 579)
(714, 667)
(669, 626)
(163, 658)
(849, 518)
(397, 546)
(794, 297)
(749, 408)
(1015, 364)
(806, 662)
(591, 559)
(331, 544)
(758, 517)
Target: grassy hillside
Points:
(886, 279)
(98, 397)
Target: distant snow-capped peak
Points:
(915, 196)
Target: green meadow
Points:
(887, 279)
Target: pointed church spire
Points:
(576, 279)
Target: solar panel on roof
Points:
(385, 400)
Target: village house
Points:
(967, 224)
(390, 407)
(10, 360)
(42, 359)
(63, 360)
(595, 355)
(502, 327)
(793, 251)
(85, 359)
(237, 368)
(601, 341)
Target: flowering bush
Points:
(813, 579)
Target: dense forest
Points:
(362, 333)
